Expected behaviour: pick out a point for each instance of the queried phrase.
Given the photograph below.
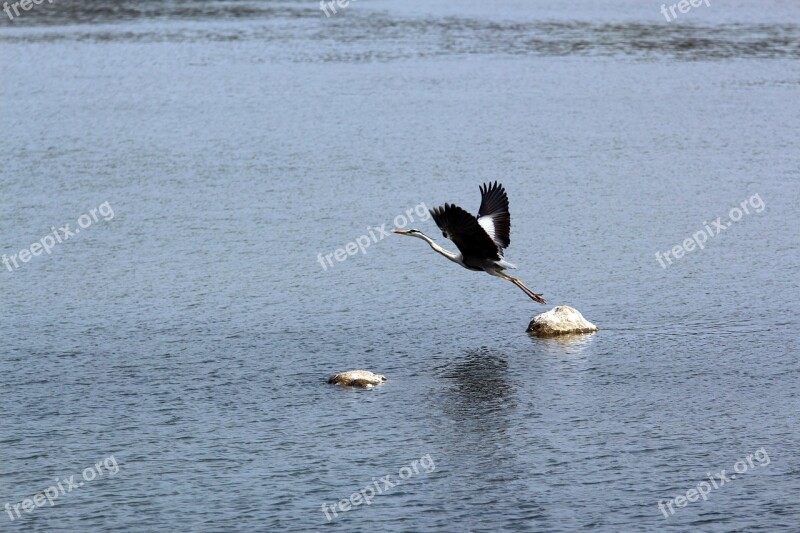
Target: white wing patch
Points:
(487, 223)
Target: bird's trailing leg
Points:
(533, 296)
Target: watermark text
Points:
(379, 486)
(63, 233)
(699, 238)
(53, 492)
(716, 481)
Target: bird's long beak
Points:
(401, 231)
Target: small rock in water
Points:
(357, 378)
(560, 320)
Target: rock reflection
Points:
(560, 345)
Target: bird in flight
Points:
(480, 240)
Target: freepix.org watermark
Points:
(684, 6)
(324, 6)
(379, 486)
(365, 241)
(62, 487)
(699, 238)
(64, 233)
(716, 481)
(26, 5)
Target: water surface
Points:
(189, 336)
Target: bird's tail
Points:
(505, 264)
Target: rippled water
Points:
(189, 333)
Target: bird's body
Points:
(480, 240)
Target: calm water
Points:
(188, 331)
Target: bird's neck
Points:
(436, 248)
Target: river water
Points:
(212, 154)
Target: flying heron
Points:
(480, 240)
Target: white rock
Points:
(560, 320)
(357, 378)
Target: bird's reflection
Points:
(478, 387)
(480, 404)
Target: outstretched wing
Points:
(493, 215)
(464, 230)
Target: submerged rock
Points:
(560, 320)
(357, 378)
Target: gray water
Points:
(187, 331)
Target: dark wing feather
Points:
(493, 216)
(463, 229)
